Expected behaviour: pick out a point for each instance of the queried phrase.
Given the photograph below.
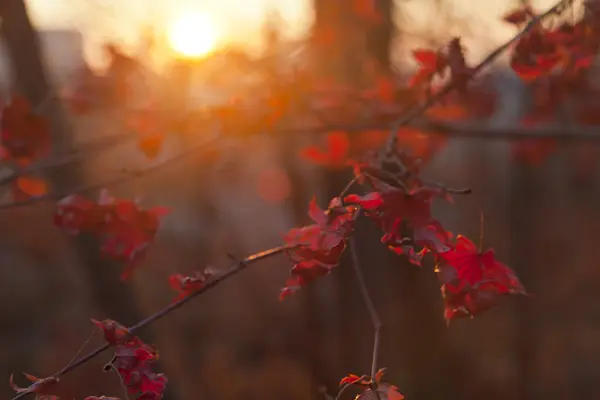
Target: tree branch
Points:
(453, 84)
(239, 267)
(125, 176)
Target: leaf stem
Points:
(368, 301)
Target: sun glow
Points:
(193, 34)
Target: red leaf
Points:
(133, 361)
(335, 154)
(114, 333)
(187, 285)
(151, 144)
(405, 218)
(352, 379)
(472, 281)
(32, 186)
(125, 229)
(317, 247)
(431, 64)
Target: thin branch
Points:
(368, 302)
(239, 267)
(79, 351)
(453, 84)
(70, 157)
(126, 175)
(122, 382)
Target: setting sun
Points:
(193, 34)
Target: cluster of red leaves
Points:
(125, 229)
(564, 50)
(399, 203)
(316, 249)
(385, 391)
(188, 284)
(133, 362)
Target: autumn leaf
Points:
(32, 186)
(315, 249)
(384, 390)
(430, 63)
(114, 333)
(335, 154)
(405, 218)
(151, 144)
(188, 284)
(125, 229)
(473, 280)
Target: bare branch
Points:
(239, 267)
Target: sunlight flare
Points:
(193, 34)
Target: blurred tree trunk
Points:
(380, 36)
(336, 42)
(115, 299)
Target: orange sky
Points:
(239, 20)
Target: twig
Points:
(369, 303)
(70, 157)
(79, 351)
(453, 84)
(241, 265)
(127, 174)
(123, 386)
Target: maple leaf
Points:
(385, 391)
(335, 154)
(26, 187)
(75, 214)
(114, 333)
(352, 379)
(133, 361)
(186, 285)
(431, 63)
(316, 248)
(472, 280)
(405, 218)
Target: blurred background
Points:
(109, 68)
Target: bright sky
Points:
(239, 20)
